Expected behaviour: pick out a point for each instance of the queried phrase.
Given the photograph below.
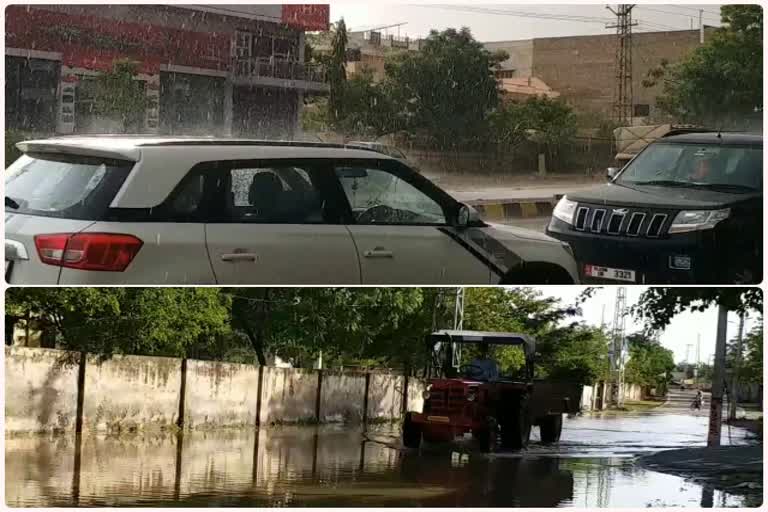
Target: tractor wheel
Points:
(516, 432)
(488, 437)
(551, 427)
(411, 433)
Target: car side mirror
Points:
(612, 172)
(466, 216)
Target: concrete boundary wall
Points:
(220, 394)
(127, 393)
(288, 395)
(40, 389)
(342, 397)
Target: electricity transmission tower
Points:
(622, 96)
(617, 348)
(458, 323)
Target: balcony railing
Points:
(280, 68)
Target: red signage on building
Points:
(310, 17)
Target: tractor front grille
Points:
(447, 400)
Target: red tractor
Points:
(497, 411)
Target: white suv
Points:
(127, 210)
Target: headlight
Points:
(697, 220)
(564, 210)
(471, 395)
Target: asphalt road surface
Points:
(592, 466)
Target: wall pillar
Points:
(228, 106)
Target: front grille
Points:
(632, 222)
(447, 400)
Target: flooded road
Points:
(593, 466)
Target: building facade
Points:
(205, 69)
(581, 68)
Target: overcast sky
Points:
(512, 21)
(684, 329)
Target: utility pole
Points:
(617, 348)
(458, 324)
(701, 26)
(718, 379)
(733, 392)
(698, 360)
(622, 98)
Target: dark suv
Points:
(687, 209)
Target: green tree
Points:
(447, 90)
(650, 364)
(119, 96)
(657, 306)
(337, 72)
(181, 322)
(752, 367)
(721, 82)
(567, 351)
(368, 111)
(549, 122)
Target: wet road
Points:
(593, 466)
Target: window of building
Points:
(505, 73)
(642, 110)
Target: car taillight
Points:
(88, 251)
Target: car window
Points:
(380, 197)
(64, 186)
(697, 165)
(282, 195)
(190, 196)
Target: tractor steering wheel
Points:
(471, 369)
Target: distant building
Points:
(206, 69)
(369, 50)
(520, 89)
(581, 68)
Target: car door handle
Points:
(239, 256)
(378, 252)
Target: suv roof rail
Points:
(254, 142)
(683, 130)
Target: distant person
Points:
(483, 367)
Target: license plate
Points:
(615, 274)
(438, 419)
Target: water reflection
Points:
(322, 466)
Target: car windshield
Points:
(715, 166)
(63, 186)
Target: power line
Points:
(659, 25)
(692, 16)
(520, 14)
(695, 10)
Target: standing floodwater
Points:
(593, 466)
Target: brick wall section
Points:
(582, 68)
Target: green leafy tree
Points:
(721, 82)
(752, 366)
(120, 97)
(337, 72)
(447, 90)
(657, 306)
(549, 122)
(650, 364)
(368, 111)
(181, 322)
